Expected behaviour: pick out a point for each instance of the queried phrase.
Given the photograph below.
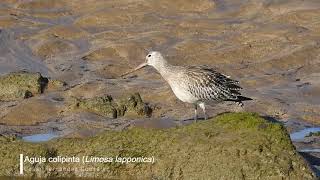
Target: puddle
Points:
(300, 135)
(39, 137)
(310, 150)
(155, 123)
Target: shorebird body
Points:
(198, 85)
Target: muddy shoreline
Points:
(82, 48)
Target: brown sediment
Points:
(31, 112)
(266, 45)
(52, 48)
(271, 47)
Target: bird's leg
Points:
(203, 107)
(195, 112)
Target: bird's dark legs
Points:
(203, 107)
(195, 112)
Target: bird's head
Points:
(153, 58)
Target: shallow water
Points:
(39, 137)
(310, 150)
(300, 135)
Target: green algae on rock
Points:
(100, 105)
(132, 104)
(230, 146)
(129, 104)
(313, 134)
(18, 85)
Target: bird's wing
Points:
(206, 83)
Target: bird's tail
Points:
(240, 99)
(243, 98)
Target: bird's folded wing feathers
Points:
(208, 84)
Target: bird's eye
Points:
(149, 55)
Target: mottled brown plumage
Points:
(209, 85)
(198, 85)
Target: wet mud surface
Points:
(271, 47)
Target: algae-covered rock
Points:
(100, 105)
(130, 105)
(230, 146)
(20, 85)
(8, 138)
(313, 134)
(133, 104)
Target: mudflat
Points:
(80, 49)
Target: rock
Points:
(8, 138)
(100, 105)
(19, 85)
(313, 134)
(130, 105)
(230, 146)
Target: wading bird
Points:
(198, 85)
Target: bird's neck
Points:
(164, 68)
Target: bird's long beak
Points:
(140, 66)
(137, 68)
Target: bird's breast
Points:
(181, 91)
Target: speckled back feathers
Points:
(207, 84)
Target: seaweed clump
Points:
(130, 105)
(19, 85)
